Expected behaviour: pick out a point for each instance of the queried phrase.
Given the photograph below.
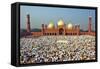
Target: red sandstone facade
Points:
(61, 30)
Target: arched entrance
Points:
(61, 31)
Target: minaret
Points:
(28, 23)
(43, 29)
(90, 24)
(45, 26)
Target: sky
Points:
(43, 15)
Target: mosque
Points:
(60, 29)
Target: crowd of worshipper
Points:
(57, 49)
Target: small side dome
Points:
(51, 25)
(70, 26)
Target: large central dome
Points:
(60, 23)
